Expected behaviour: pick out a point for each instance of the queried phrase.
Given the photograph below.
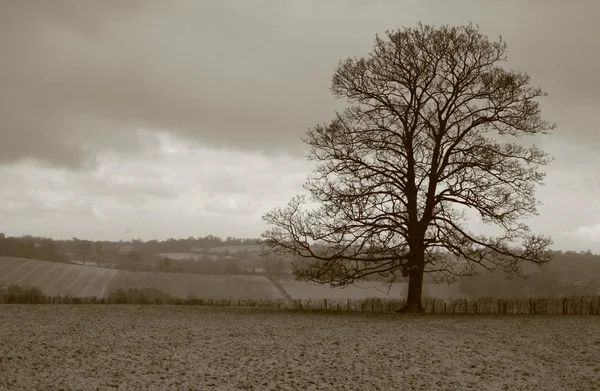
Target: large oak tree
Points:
(434, 127)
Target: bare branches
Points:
(428, 132)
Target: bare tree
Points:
(99, 250)
(133, 258)
(433, 128)
(85, 247)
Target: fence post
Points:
(348, 305)
(372, 305)
(531, 309)
(325, 301)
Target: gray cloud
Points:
(78, 77)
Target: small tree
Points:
(99, 250)
(427, 136)
(85, 248)
(133, 258)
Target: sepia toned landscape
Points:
(299, 195)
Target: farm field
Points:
(251, 248)
(365, 289)
(181, 256)
(199, 285)
(57, 279)
(104, 347)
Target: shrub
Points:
(139, 296)
(23, 294)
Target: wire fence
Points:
(575, 305)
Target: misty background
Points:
(155, 120)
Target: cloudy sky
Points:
(156, 119)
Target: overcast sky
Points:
(157, 119)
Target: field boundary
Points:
(281, 289)
(578, 306)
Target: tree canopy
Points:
(434, 127)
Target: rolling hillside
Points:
(56, 279)
(199, 285)
(81, 281)
(85, 281)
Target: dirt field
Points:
(201, 348)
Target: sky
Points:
(158, 119)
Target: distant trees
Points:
(164, 265)
(99, 251)
(133, 258)
(434, 128)
(85, 249)
(31, 247)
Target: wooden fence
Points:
(583, 305)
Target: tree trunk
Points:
(415, 290)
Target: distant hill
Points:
(56, 279)
(85, 281)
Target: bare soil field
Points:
(103, 347)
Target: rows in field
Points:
(199, 285)
(85, 281)
(56, 279)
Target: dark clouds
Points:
(77, 78)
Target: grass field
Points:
(124, 347)
(253, 248)
(199, 285)
(365, 289)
